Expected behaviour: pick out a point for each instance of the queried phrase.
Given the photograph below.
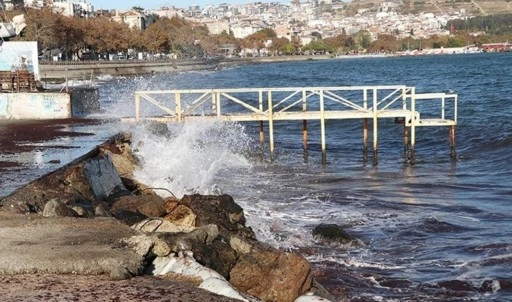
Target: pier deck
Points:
(268, 105)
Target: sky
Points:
(127, 4)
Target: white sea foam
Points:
(187, 159)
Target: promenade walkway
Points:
(268, 105)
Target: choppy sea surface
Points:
(438, 230)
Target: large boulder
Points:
(270, 274)
(217, 255)
(148, 205)
(220, 210)
(181, 215)
(160, 225)
(332, 234)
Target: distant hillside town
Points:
(297, 27)
(296, 19)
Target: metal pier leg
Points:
(375, 142)
(271, 125)
(453, 154)
(406, 143)
(262, 138)
(322, 127)
(412, 157)
(365, 139)
(305, 139)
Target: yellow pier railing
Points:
(307, 103)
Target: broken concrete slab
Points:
(65, 245)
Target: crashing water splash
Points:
(185, 158)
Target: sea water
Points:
(438, 230)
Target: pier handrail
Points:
(363, 99)
(441, 97)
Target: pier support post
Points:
(305, 139)
(322, 127)
(304, 127)
(262, 138)
(365, 139)
(453, 154)
(137, 107)
(375, 129)
(178, 105)
(412, 157)
(262, 133)
(406, 141)
(270, 126)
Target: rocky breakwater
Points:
(92, 219)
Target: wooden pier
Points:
(268, 105)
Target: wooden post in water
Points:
(453, 154)
(304, 127)
(375, 129)
(270, 125)
(262, 133)
(322, 127)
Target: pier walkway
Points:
(268, 105)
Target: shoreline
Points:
(87, 70)
(59, 72)
(71, 230)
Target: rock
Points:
(271, 275)
(159, 225)
(123, 164)
(82, 212)
(167, 243)
(220, 210)
(16, 207)
(218, 256)
(136, 187)
(100, 210)
(240, 245)
(129, 217)
(331, 234)
(318, 290)
(141, 244)
(102, 177)
(55, 208)
(182, 215)
(170, 204)
(148, 205)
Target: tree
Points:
(138, 9)
(40, 27)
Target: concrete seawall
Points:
(85, 70)
(60, 71)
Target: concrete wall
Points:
(26, 105)
(87, 70)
